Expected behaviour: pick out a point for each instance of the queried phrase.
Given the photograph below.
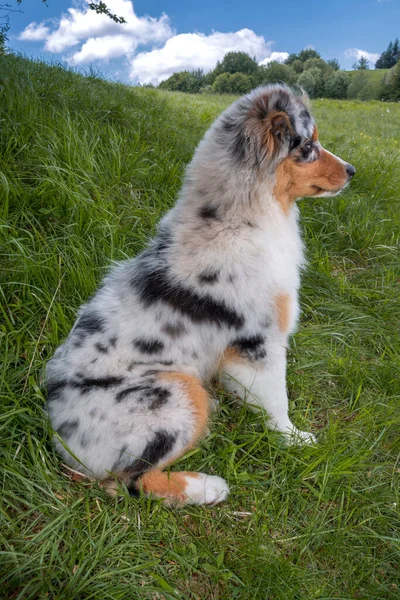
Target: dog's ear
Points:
(277, 130)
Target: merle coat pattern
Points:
(215, 292)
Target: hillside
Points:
(87, 168)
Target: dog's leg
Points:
(263, 385)
(190, 408)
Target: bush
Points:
(276, 72)
(336, 85)
(358, 82)
(184, 81)
(312, 80)
(390, 89)
(232, 83)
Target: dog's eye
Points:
(308, 146)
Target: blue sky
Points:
(163, 36)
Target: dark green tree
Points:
(361, 65)
(317, 63)
(276, 72)
(302, 56)
(336, 85)
(312, 80)
(235, 62)
(389, 57)
(390, 88)
(232, 83)
(334, 64)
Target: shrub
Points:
(232, 83)
(276, 72)
(336, 85)
(312, 80)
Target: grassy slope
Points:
(86, 170)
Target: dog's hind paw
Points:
(206, 489)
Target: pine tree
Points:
(361, 64)
(389, 57)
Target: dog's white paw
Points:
(300, 438)
(206, 489)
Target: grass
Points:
(86, 170)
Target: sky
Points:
(165, 36)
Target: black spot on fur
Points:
(208, 276)
(131, 390)
(55, 389)
(305, 117)
(101, 348)
(174, 330)
(158, 396)
(161, 444)
(113, 341)
(162, 241)
(67, 428)
(154, 285)
(148, 346)
(233, 137)
(208, 212)
(88, 324)
(85, 440)
(252, 347)
(88, 384)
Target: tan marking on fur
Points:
(170, 486)
(300, 179)
(199, 400)
(198, 397)
(282, 303)
(231, 355)
(269, 127)
(314, 136)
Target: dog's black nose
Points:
(350, 170)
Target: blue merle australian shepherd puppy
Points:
(215, 292)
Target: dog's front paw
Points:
(297, 437)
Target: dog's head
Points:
(272, 132)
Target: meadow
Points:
(87, 168)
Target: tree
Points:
(358, 82)
(390, 88)
(236, 62)
(190, 82)
(336, 85)
(312, 80)
(178, 82)
(334, 64)
(302, 56)
(361, 65)
(389, 57)
(297, 66)
(317, 63)
(232, 83)
(276, 72)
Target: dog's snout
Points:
(350, 170)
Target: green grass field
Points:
(87, 168)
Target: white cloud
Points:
(87, 37)
(357, 54)
(99, 36)
(276, 57)
(34, 32)
(188, 51)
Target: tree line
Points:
(238, 73)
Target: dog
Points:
(216, 291)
